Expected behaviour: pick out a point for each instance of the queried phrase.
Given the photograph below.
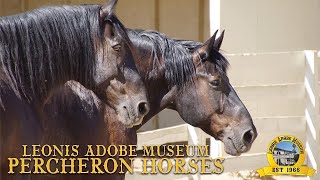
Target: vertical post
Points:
(215, 5)
(312, 111)
(317, 61)
(195, 137)
(214, 15)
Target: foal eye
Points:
(215, 83)
(117, 47)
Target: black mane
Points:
(177, 55)
(40, 47)
(178, 64)
(214, 56)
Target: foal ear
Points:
(218, 42)
(108, 9)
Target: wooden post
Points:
(195, 137)
(215, 146)
(312, 112)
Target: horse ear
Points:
(218, 42)
(105, 12)
(108, 9)
(207, 47)
(109, 30)
(210, 43)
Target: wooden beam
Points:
(162, 136)
(312, 111)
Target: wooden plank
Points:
(311, 112)
(235, 164)
(162, 136)
(266, 69)
(274, 124)
(270, 101)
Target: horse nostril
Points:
(143, 108)
(248, 137)
(124, 107)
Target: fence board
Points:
(268, 101)
(266, 69)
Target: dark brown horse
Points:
(43, 49)
(186, 76)
(196, 86)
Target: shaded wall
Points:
(184, 19)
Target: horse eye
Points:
(117, 47)
(215, 83)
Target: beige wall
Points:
(184, 19)
(270, 25)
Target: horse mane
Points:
(177, 56)
(43, 46)
(178, 64)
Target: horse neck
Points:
(159, 92)
(40, 94)
(41, 52)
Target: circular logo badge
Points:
(286, 151)
(286, 156)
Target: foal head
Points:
(211, 103)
